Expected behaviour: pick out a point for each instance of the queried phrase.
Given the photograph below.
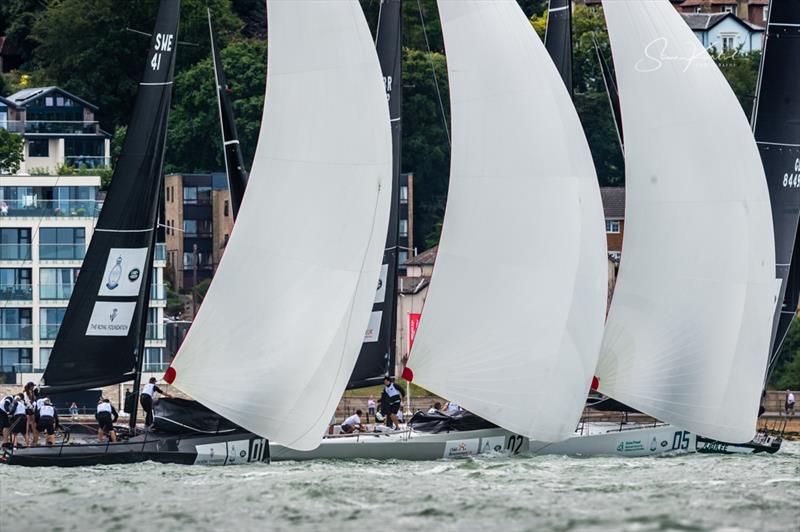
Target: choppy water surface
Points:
(691, 492)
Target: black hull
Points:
(758, 445)
(188, 449)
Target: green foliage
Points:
(741, 71)
(19, 17)
(85, 48)
(787, 370)
(194, 139)
(598, 126)
(426, 151)
(202, 288)
(11, 149)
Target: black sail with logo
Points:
(103, 329)
(558, 38)
(234, 162)
(776, 123)
(377, 355)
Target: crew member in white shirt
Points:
(353, 423)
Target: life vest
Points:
(47, 410)
(104, 407)
(149, 389)
(392, 392)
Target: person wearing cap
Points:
(106, 417)
(48, 421)
(146, 400)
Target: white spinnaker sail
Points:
(512, 325)
(691, 317)
(280, 329)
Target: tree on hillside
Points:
(787, 369)
(193, 141)
(426, 150)
(11, 149)
(85, 48)
(18, 18)
(741, 71)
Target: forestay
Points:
(692, 309)
(513, 321)
(280, 329)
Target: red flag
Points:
(408, 374)
(595, 383)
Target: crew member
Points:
(5, 417)
(391, 399)
(436, 408)
(19, 419)
(353, 423)
(106, 417)
(48, 421)
(30, 395)
(146, 399)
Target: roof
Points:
(7, 102)
(613, 202)
(706, 21)
(690, 3)
(425, 258)
(23, 97)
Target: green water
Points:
(689, 492)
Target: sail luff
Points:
(610, 85)
(558, 38)
(377, 356)
(776, 125)
(695, 294)
(97, 342)
(277, 337)
(234, 161)
(513, 320)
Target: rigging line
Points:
(433, 71)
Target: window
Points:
(49, 322)
(15, 244)
(728, 42)
(765, 13)
(48, 101)
(166, 193)
(612, 226)
(62, 243)
(15, 284)
(44, 356)
(57, 283)
(402, 257)
(38, 148)
(197, 195)
(154, 359)
(225, 209)
(404, 194)
(15, 324)
(190, 227)
(13, 360)
(729, 9)
(403, 230)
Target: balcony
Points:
(16, 292)
(56, 292)
(36, 208)
(16, 331)
(62, 251)
(60, 127)
(156, 331)
(48, 331)
(15, 252)
(87, 161)
(158, 292)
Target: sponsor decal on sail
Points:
(111, 318)
(123, 273)
(380, 292)
(374, 327)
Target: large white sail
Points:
(691, 317)
(512, 326)
(280, 329)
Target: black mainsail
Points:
(776, 124)
(558, 38)
(101, 340)
(377, 355)
(234, 162)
